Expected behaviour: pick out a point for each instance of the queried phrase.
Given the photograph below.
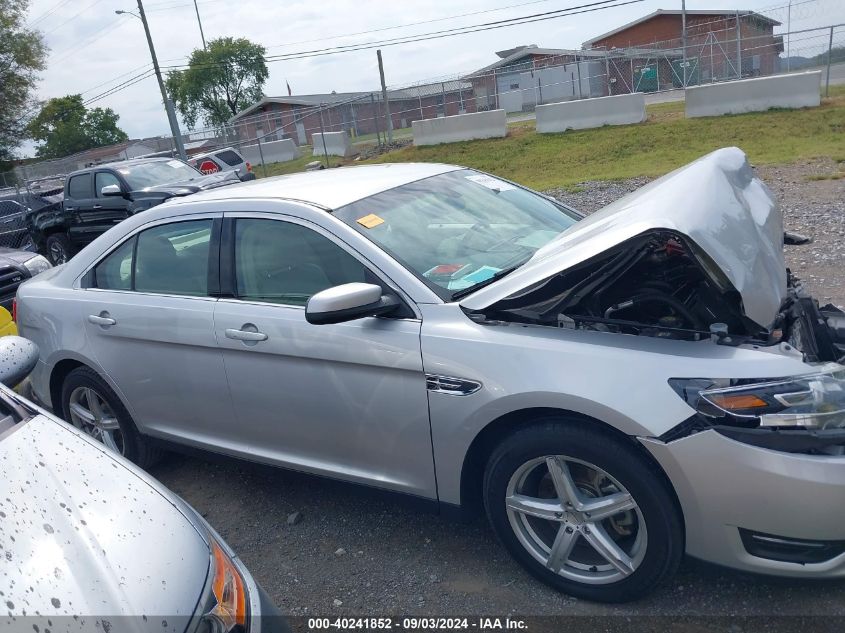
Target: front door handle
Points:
(245, 335)
(101, 319)
(97, 206)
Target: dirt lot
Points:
(376, 556)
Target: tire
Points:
(115, 428)
(59, 248)
(650, 534)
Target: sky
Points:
(92, 48)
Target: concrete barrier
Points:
(273, 151)
(337, 144)
(460, 127)
(587, 113)
(797, 90)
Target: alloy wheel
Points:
(90, 413)
(58, 254)
(576, 519)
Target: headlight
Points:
(811, 401)
(228, 614)
(37, 264)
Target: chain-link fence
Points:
(715, 48)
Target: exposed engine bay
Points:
(661, 284)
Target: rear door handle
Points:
(244, 335)
(97, 206)
(101, 320)
(70, 208)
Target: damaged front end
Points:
(695, 256)
(663, 285)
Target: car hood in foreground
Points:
(716, 202)
(82, 534)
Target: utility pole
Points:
(684, 38)
(738, 48)
(384, 96)
(788, 31)
(168, 104)
(199, 21)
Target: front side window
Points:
(104, 179)
(460, 229)
(168, 259)
(281, 262)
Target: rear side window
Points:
(115, 271)
(80, 186)
(229, 157)
(168, 259)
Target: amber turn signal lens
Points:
(228, 588)
(733, 402)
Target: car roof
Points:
(326, 188)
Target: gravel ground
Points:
(358, 552)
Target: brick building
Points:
(358, 113)
(647, 54)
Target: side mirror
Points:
(348, 302)
(18, 357)
(110, 191)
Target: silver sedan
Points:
(613, 391)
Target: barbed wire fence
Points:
(726, 48)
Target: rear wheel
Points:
(59, 248)
(89, 404)
(583, 511)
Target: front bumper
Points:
(724, 486)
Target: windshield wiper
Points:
(496, 276)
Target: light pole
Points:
(168, 104)
(788, 31)
(199, 21)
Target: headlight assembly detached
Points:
(813, 401)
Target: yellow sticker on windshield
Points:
(370, 221)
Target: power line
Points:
(48, 12)
(74, 16)
(497, 24)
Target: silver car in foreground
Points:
(614, 391)
(90, 542)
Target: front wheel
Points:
(583, 511)
(59, 249)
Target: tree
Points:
(220, 81)
(65, 126)
(22, 55)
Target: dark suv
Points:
(96, 198)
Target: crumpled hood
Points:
(80, 533)
(716, 202)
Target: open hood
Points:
(715, 202)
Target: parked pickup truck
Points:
(96, 198)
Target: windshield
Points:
(459, 229)
(153, 174)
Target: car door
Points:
(107, 210)
(78, 207)
(148, 313)
(347, 400)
